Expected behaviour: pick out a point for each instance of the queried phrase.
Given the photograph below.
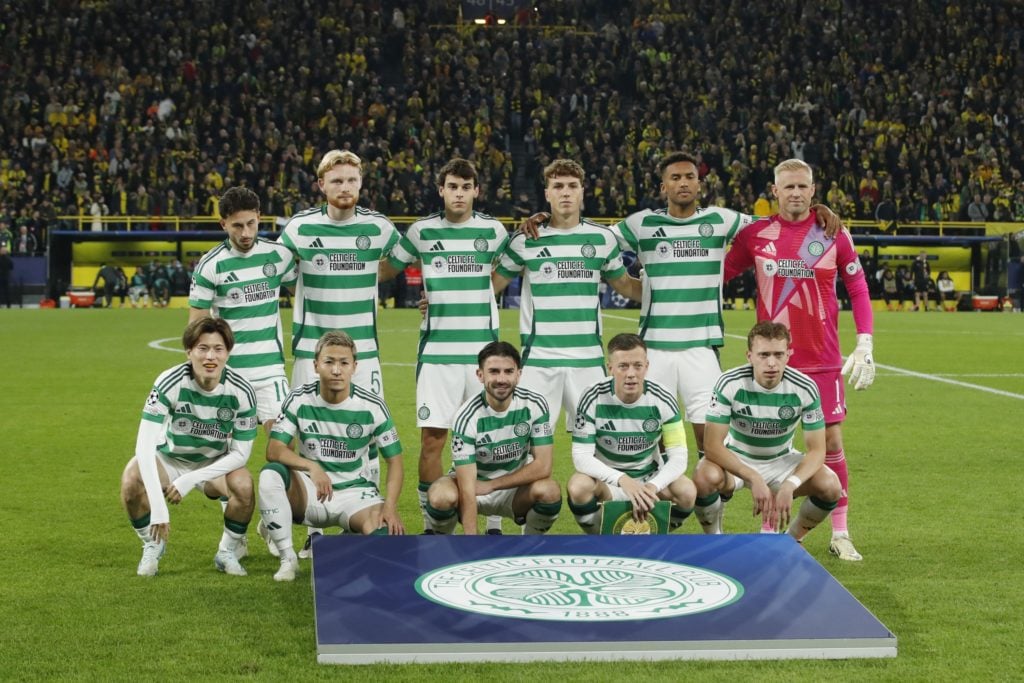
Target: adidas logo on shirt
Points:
(185, 409)
(438, 246)
(769, 249)
(231, 278)
(486, 438)
(544, 253)
(313, 429)
(608, 426)
(660, 232)
(316, 244)
(745, 410)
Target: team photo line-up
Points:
(329, 429)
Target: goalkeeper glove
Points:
(860, 365)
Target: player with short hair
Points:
(681, 248)
(560, 311)
(197, 430)
(620, 424)
(327, 481)
(240, 280)
(457, 247)
(750, 428)
(501, 453)
(796, 267)
(338, 246)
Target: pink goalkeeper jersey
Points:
(795, 267)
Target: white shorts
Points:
(270, 394)
(440, 390)
(367, 374)
(561, 387)
(175, 468)
(774, 472)
(497, 503)
(339, 510)
(691, 373)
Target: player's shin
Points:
(709, 513)
(540, 517)
(813, 512)
(141, 527)
(274, 507)
(441, 521)
(587, 515)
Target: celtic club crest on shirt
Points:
(362, 242)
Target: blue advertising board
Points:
(529, 598)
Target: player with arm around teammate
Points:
(326, 480)
(197, 430)
(560, 313)
(501, 453)
(796, 268)
(615, 444)
(751, 423)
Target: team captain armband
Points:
(674, 434)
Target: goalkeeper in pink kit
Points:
(796, 268)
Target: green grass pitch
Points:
(935, 450)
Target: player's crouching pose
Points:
(197, 430)
(501, 451)
(751, 422)
(615, 443)
(327, 481)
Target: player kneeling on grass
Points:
(502, 446)
(197, 430)
(333, 423)
(620, 423)
(751, 422)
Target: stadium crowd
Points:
(112, 108)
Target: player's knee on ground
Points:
(443, 494)
(545, 491)
(581, 488)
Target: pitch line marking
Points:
(901, 371)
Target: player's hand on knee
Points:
(531, 226)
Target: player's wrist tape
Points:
(795, 481)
